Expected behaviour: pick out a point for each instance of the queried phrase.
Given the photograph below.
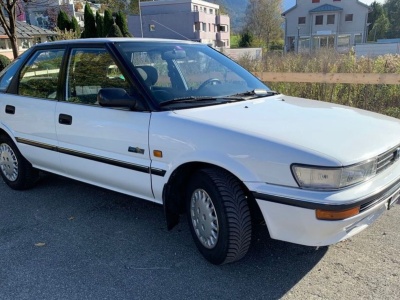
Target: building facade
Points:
(316, 24)
(195, 20)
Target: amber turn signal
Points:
(322, 214)
(157, 153)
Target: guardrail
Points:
(352, 78)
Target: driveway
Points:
(68, 240)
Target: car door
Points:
(27, 110)
(103, 146)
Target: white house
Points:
(195, 20)
(314, 24)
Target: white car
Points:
(182, 125)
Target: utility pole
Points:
(140, 17)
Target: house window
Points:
(211, 11)
(152, 27)
(204, 26)
(357, 39)
(3, 44)
(315, 1)
(348, 17)
(197, 26)
(302, 20)
(195, 8)
(319, 20)
(330, 20)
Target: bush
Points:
(4, 62)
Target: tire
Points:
(16, 171)
(218, 216)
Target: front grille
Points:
(388, 158)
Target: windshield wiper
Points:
(188, 100)
(254, 94)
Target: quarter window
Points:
(39, 77)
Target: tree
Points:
(63, 21)
(8, 20)
(115, 31)
(90, 24)
(392, 8)
(264, 20)
(120, 20)
(380, 28)
(100, 25)
(75, 26)
(108, 21)
(246, 40)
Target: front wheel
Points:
(16, 171)
(218, 216)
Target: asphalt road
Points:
(68, 240)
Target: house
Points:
(195, 20)
(316, 24)
(44, 13)
(27, 35)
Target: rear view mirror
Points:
(174, 54)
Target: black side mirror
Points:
(115, 97)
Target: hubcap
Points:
(8, 162)
(204, 218)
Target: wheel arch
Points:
(174, 195)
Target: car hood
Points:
(345, 134)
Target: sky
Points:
(290, 3)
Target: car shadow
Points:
(86, 228)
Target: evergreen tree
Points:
(100, 25)
(392, 8)
(75, 26)
(90, 24)
(246, 40)
(115, 31)
(108, 21)
(120, 20)
(63, 21)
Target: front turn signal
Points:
(332, 215)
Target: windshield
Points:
(173, 70)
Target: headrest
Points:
(148, 73)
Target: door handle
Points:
(10, 109)
(65, 119)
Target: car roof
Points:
(112, 40)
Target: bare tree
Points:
(9, 10)
(264, 20)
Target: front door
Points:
(103, 146)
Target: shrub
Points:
(4, 62)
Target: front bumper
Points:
(290, 213)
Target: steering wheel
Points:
(211, 81)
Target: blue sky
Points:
(289, 3)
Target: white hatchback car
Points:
(180, 124)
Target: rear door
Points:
(27, 111)
(104, 146)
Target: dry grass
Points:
(380, 98)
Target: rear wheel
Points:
(16, 171)
(218, 216)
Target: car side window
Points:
(90, 70)
(39, 77)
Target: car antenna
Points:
(171, 29)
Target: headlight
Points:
(322, 178)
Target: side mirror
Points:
(115, 97)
